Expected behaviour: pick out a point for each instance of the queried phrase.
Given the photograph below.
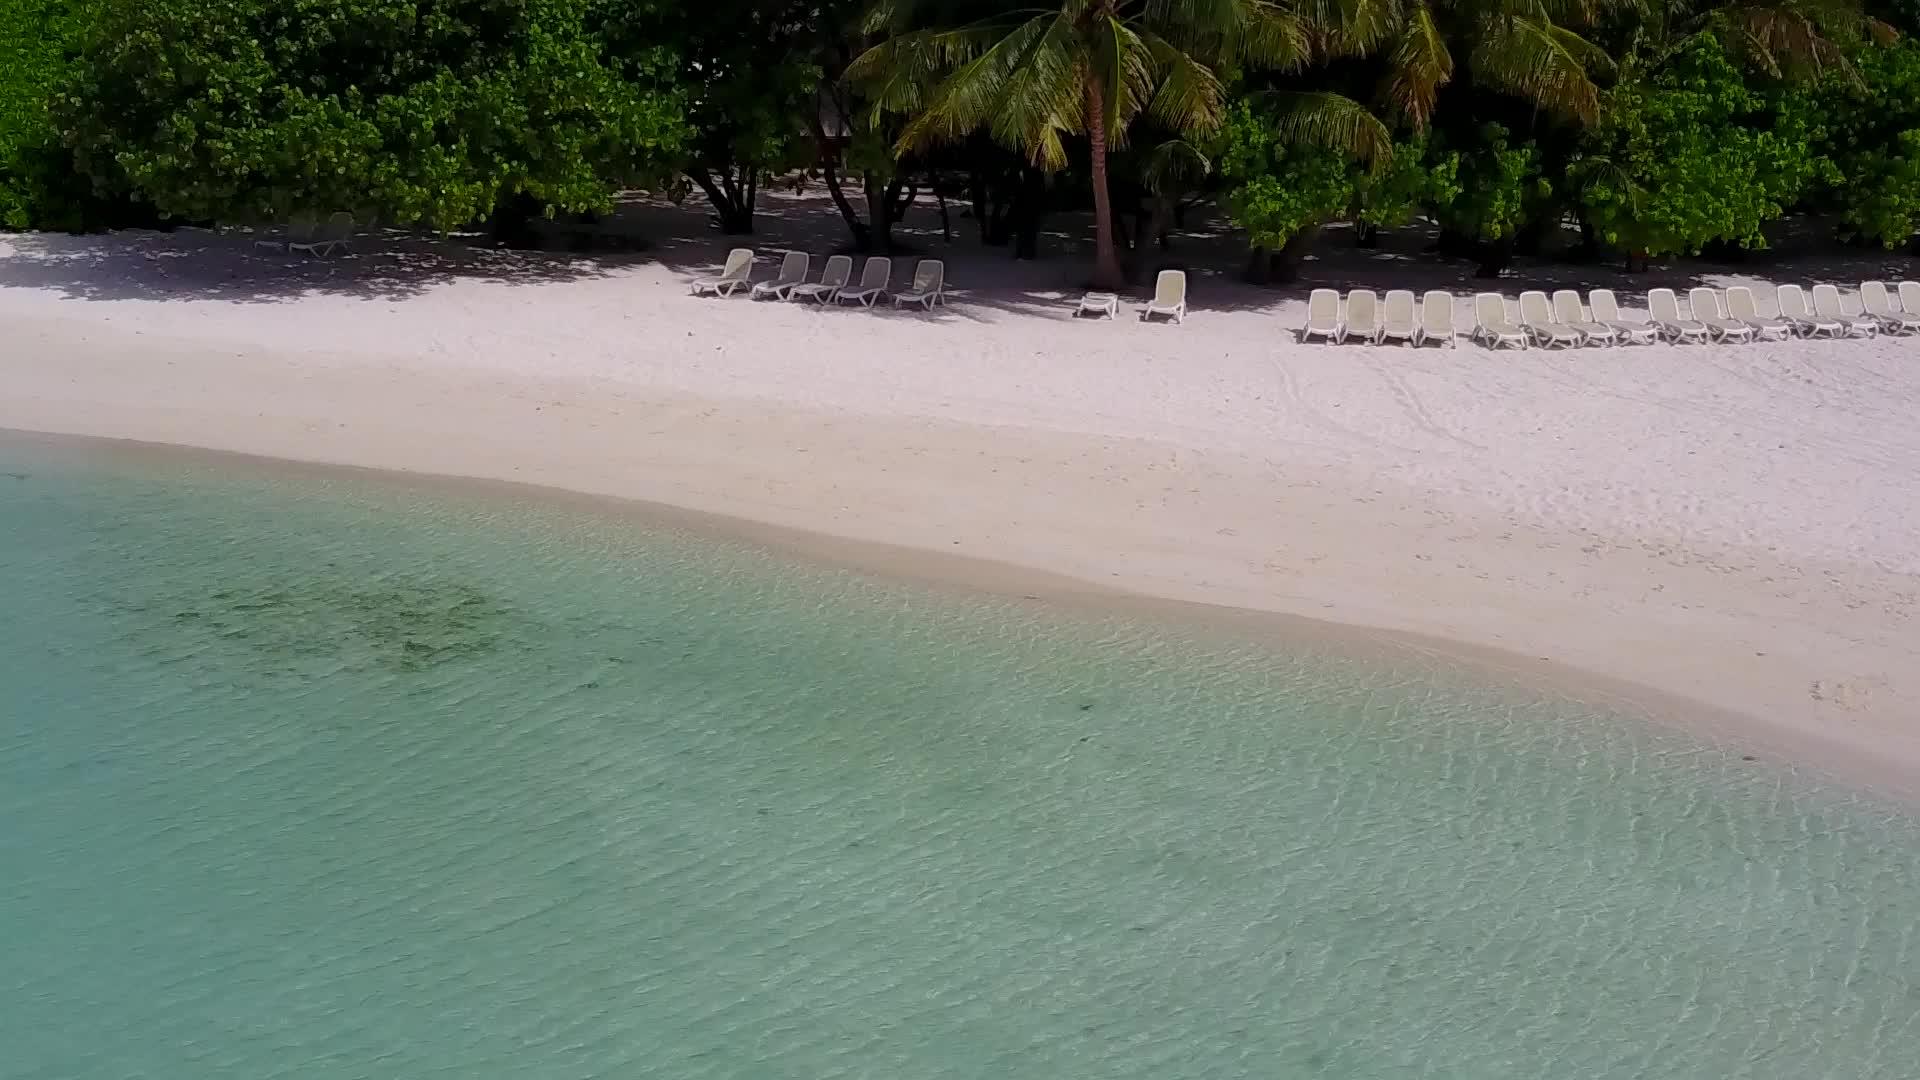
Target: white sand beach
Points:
(1735, 525)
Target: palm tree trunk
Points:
(1106, 260)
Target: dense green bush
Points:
(38, 188)
(435, 111)
(1695, 154)
(1872, 137)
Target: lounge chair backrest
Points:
(839, 269)
(1490, 309)
(1910, 297)
(1741, 304)
(1436, 311)
(1826, 300)
(928, 274)
(877, 272)
(1323, 307)
(739, 263)
(1399, 309)
(1663, 305)
(1362, 307)
(793, 267)
(1567, 307)
(1170, 288)
(1534, 308)
(1705, 303)
(1873, 294)
(1605, 307)
(302, 226)
(1792, 301)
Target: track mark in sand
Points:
(1403, 393)
(1297, 404)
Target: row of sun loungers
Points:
(306, 233)
(1565, 321)
(834, 286)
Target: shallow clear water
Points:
(322, 776)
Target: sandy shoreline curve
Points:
(1729, 526)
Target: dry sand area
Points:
(1729, 525)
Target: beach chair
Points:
(1606, 312)
(736, 274)
(336, 233)
(1910, 297)
(1705, 304)
(1879, 305)
(1490, 323)
(1323, 316)
(1363, 316)
(793, 270)
(1794, 309)
(1663, 310)
(1827, 305)
(1742, 306)
(1169, 296)
(1536, 315)
(874, 277)
(1436, 318)
(1099, 303)
(1568, 309)
(929, 285)
(300, 229)
(1400, 318)
(832, 280)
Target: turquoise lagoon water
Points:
(326, 776)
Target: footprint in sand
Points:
(1850, 694)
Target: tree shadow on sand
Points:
(194, 264)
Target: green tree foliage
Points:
(37, 185)
(751, 72)
(1032, 78)
(1693, 155)
(1872, 137)
(433, 111)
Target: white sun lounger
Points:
(1793, 308)
(1536, 314)
(793, 270)
(1879, 305)
(300, 228)
(1742, 307)
(1568, 310)
(874, 277)
(736, 274)
(1400, 318)
(929, 285)
(1169, 296)
(1606, 311)
(1099, 303)
(832, 280)
(1705, 304)
(1663, 309)
(336, 233)
(1910, 297)
(1323, 316)
(1363, 316)
(1828, 304)
(1436, 318)
(1491, 325)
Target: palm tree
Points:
(1033, 78)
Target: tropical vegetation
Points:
(1646, 130)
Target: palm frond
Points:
(1174, 165)
(1332, 122)
(1420, 66)
(1541, 62)
(1013, 84)
(1188, 97)
(1123, 63)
